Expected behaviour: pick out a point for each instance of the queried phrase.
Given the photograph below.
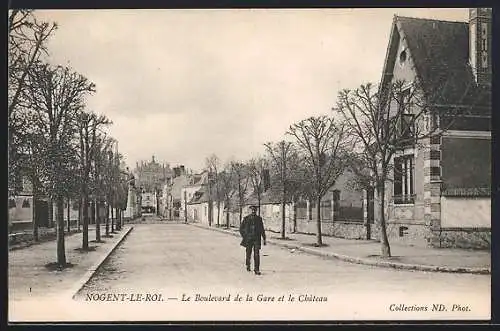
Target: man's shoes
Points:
(248, 268)
(257, 272)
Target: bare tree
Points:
(258, 172)
(385, 120)
(115, 190)
(35, 170)
(299, 183)
(101, 187)
(323, 142)
(108, 184)
(227, 189)
(27, 39)
(240, 172)
(89, 124)
(281, 154)
(56, 95)
(213, 165)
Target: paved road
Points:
(177, 259)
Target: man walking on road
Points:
(252, 229)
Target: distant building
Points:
(149, 202)
(133, 209)
(171, 201)
(150, 176)
(190, 193)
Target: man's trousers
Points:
(256, 256)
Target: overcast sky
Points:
(181, 84)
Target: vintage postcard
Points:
(249, 165)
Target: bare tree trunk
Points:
(97, 221)
(112, 219)
(283, 218)
(227, 216)
(210, 202)
(309, 209)
(386, 249)
(80, 211)
(294, 216)
(51, 212)
(36, 237)
(106, 219)
(68, 216)
(85, 217)
(318, 221)
(92, 212)
(61, 252)
(258, 202)
(118, 225)
(120, 219)
(218, 213)
(240, 210)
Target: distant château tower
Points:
(151, 176)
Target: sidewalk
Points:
(29, 279)
(368, 252)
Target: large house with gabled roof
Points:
(439, 193)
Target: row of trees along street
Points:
(361, 135)
(54, 139)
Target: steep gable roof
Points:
(201, 196)
(440, 52)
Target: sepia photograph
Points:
(252, 164)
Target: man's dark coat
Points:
(252, 229)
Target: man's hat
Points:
(253, 207)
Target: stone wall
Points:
(472, 238)
(347, 230)
(340, 229)
(414, 235)
(305, 225)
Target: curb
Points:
(359, 260)
(90, 272)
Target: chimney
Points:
(480, 44)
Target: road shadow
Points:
(87, 250)
(54, 266)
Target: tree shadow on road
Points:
(315, 245)
(389, 258)
(90, 249)
(284, 239)
(54, 266)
